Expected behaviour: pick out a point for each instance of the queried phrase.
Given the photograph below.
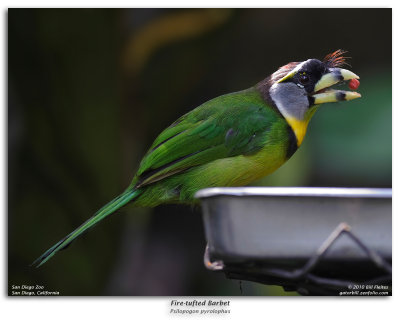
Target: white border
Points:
(242, 308)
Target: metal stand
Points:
(303, 280)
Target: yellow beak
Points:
(334, 76)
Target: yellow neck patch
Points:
(300, 126)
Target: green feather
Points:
(105, 211)
(228, 141)
(203, 135)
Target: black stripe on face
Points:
(292, 143)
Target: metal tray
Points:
(259, 223)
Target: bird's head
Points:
(299, 88)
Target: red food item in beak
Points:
(354, 84)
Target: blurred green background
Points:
(89, 90)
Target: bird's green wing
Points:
(226, 126)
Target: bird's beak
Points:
(322, 92)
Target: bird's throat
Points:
(299, 128)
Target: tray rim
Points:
(331, 192)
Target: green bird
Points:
(230, 140)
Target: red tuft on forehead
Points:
(336, 59)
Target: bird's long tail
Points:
(120, 201)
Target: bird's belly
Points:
(226, 172)
(241, 170)
(232, 172)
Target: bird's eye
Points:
(304, 79)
